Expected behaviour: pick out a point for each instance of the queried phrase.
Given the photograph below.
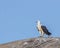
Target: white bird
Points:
(42, 29)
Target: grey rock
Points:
(38, 42)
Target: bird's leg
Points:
(42, 34)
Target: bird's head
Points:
(38, 22)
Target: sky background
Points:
(18, 18)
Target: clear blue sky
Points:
(18, 18)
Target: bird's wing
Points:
(45, 30)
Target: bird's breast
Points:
(39, 28)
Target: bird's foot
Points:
(40, 36)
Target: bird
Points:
(42, 29)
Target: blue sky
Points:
(18, 18)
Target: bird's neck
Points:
(39, 24)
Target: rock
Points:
(38, 42)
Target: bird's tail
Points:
(48, 33)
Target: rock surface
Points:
(38, 42)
